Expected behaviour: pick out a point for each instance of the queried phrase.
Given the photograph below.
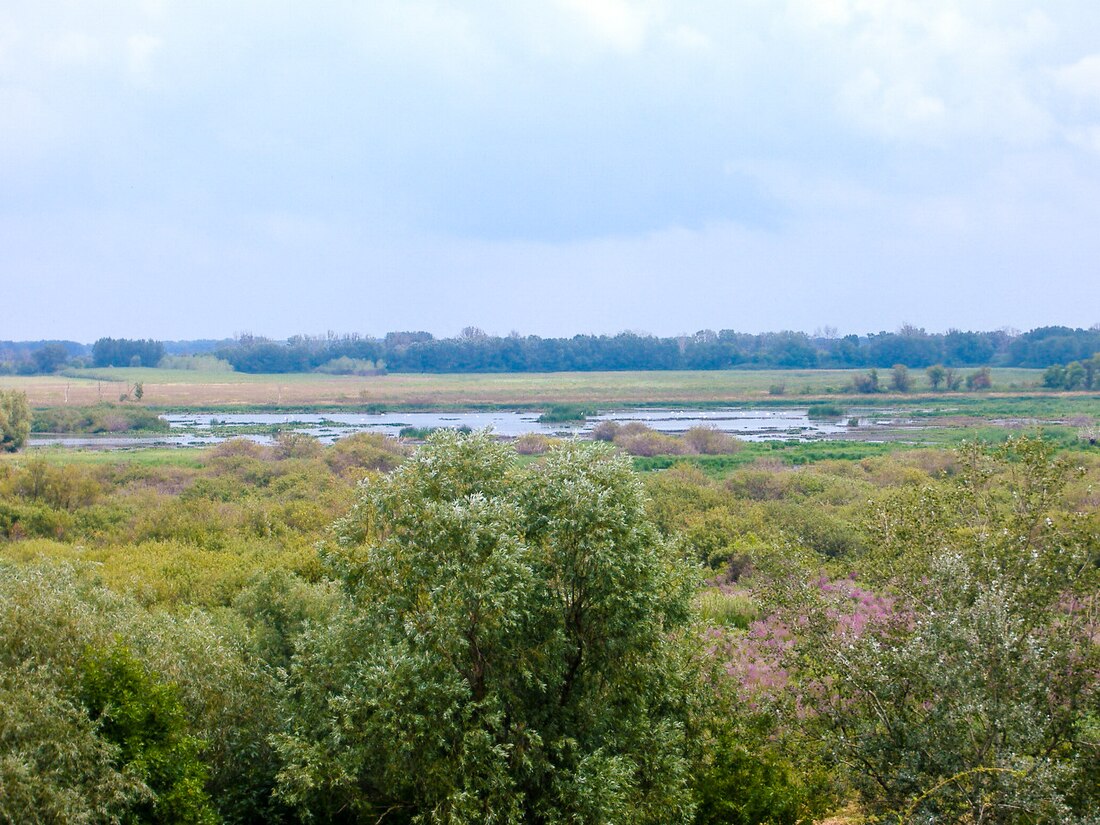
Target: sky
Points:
(195, 169)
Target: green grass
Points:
(146, 456)
(718, 609)
(186, 388)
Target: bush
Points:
(15, 420)
(957, 689)
(980, 379)
(296, 445)
(532, 444)
(710, 441)
(102, 418)
(197, 363)
(636, 438)
(350, 366)
(824, 410)
(365, 451)
(145, 721)
(561, 413)
(900, 379)
(866, 384)
(606, 430)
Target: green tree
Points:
(49, 358)
(936, 376)
(15, 420)
(145, 720)
(952, 379)
(900, 379)
(1054, 377)
(506, 651)
(1075, 376)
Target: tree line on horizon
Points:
(473, 350)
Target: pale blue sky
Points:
(196, 169)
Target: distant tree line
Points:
(475, 351)
(126, 352)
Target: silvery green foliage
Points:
(504, 654)
(15, 420)
(51, 615)
(969, 691)
(53, 766)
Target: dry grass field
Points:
(182, 388)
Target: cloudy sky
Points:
(184, 168)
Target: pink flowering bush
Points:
(960, 682)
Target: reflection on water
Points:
(202, 428)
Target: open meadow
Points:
(183, 389)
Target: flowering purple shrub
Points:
(959, 681)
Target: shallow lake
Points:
(195, 429)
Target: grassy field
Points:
(182, 389)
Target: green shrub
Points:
(561, 413)
(823, 410)
(145, 721)
(102, 418)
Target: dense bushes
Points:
(482, 636)
(102, 418)
(637, 439)
(15, 420)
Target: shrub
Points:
(532, 444)
(197, 363)
(981, 379)
(15, 420)
(350, 366)
(866, 383)
(560, 413)
(365, 451)
(900, 379)
(606, 430)
(296, 445)
(710, 441)
(637, 439)
(144, 719)
(824, 410)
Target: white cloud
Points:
(926, 70)
(73, 48)
(621, 25)
(689, 38)
(140, 50)
(1087, 137)
(1082, 78)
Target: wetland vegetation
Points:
(664, 622)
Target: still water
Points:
(194, 429)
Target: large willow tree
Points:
(507, 652)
